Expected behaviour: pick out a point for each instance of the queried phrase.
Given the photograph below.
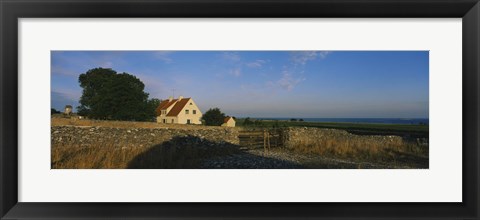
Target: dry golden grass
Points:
(178, 153)
(100, 156)
(388, 150)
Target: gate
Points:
(260, 138)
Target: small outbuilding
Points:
(228, 122)
(68, 110)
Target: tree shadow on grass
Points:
(191, 152)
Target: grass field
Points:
(420, 131)
(386, 150)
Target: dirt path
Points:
(283, 159)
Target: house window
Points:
(172, 121)
(164, 121)
(190, 103)
(194, 111)
(186, 112)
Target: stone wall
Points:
(136, 137)
(304, 136)
(142, 137)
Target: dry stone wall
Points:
(304, 136)
(143, 137)
(85, 136)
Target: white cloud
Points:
(163, 56)
(323, 54)
(234, 62)
(288, 82)
(231, 56)
(256, 63)
(302, 57)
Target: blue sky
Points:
(308, 84)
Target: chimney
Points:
(170, 98)
(180, 98)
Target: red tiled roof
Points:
(164, 105)
(177, 108)
(226, 119)
(169, 104)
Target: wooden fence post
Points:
(264, 143)
(268, 140)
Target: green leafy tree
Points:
(152, 105)
(55, 111)
(213, 117)
(112, 96)
(83, 111)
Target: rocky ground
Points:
(283, 159)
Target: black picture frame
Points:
(12, 10)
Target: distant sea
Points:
(362, 120)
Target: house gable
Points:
(228, 122)
(164, 105)
(178, 111)
(177, 108)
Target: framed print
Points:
(227, 109)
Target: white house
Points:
(178, 111)
(228, 122)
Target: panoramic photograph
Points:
(239, 109)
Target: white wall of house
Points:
(172, 120)
(167, 120)
(190, 113)
(162, 118)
